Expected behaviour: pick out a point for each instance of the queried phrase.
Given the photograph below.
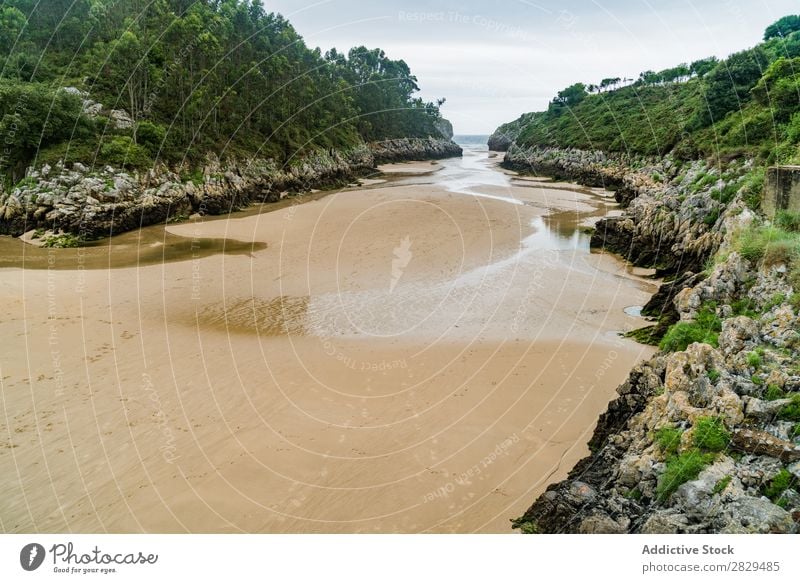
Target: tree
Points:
(199, 76)
(610, 83)
(702, 67)
(728, 85)
(571, 96)
(783, 27)
(12, 21)
(649, 78)
(779, 89)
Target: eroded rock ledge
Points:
(99, 202)
(706, 439)
(675, 210)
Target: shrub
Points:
(525, 526)
(775, 301)
(635, 494)
(771, 244)
(710, 434)
(668, 440)
(751, 245)
(150, 136)
(62, 241)
(122, 152)
(779, 484)
(773, 393)
(788, 221)
(791, 411)
(726, 194)
(744, 307)
(712, 217)
(754, 188)
(795, 301)
(681, 335)
(681, 469)
(705, 328)
(720, 486)
(780, 253)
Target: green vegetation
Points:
(713, 375)
(791, 411)
(668, 440)
(778, 485)
(649, 335)
(681, 469)
(62, 241)
(710, 434)
(773, 393)
(198, 76)
(788, 221)
(705, 328)
(720, 486)
(776, 300)
(754, 187)
(525, 527)
(744, 307)
(744, 105)
(784, 27)
(634, 494)
(772, 245)
(754, 360)
(775, 245)
(710, 437)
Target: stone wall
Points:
(782, 190)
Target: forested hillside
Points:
(745, 105)
(133, 82)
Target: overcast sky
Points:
(496, 59)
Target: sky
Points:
(494, 60)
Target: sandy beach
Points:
(424, 354)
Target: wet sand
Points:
(423, 355)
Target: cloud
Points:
(496, 60)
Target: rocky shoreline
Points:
(675, 210)
(89, 203)
(705, 439)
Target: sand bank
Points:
(403, 358)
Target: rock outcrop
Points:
(676, 211)
(707, 439)
(504, 137)
(100, 202)
(406, 149)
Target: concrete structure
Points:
(781, 190)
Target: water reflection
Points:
(149, 246)
(562, 236)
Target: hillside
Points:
(131, 84)
(705, 436)
(743, 106)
